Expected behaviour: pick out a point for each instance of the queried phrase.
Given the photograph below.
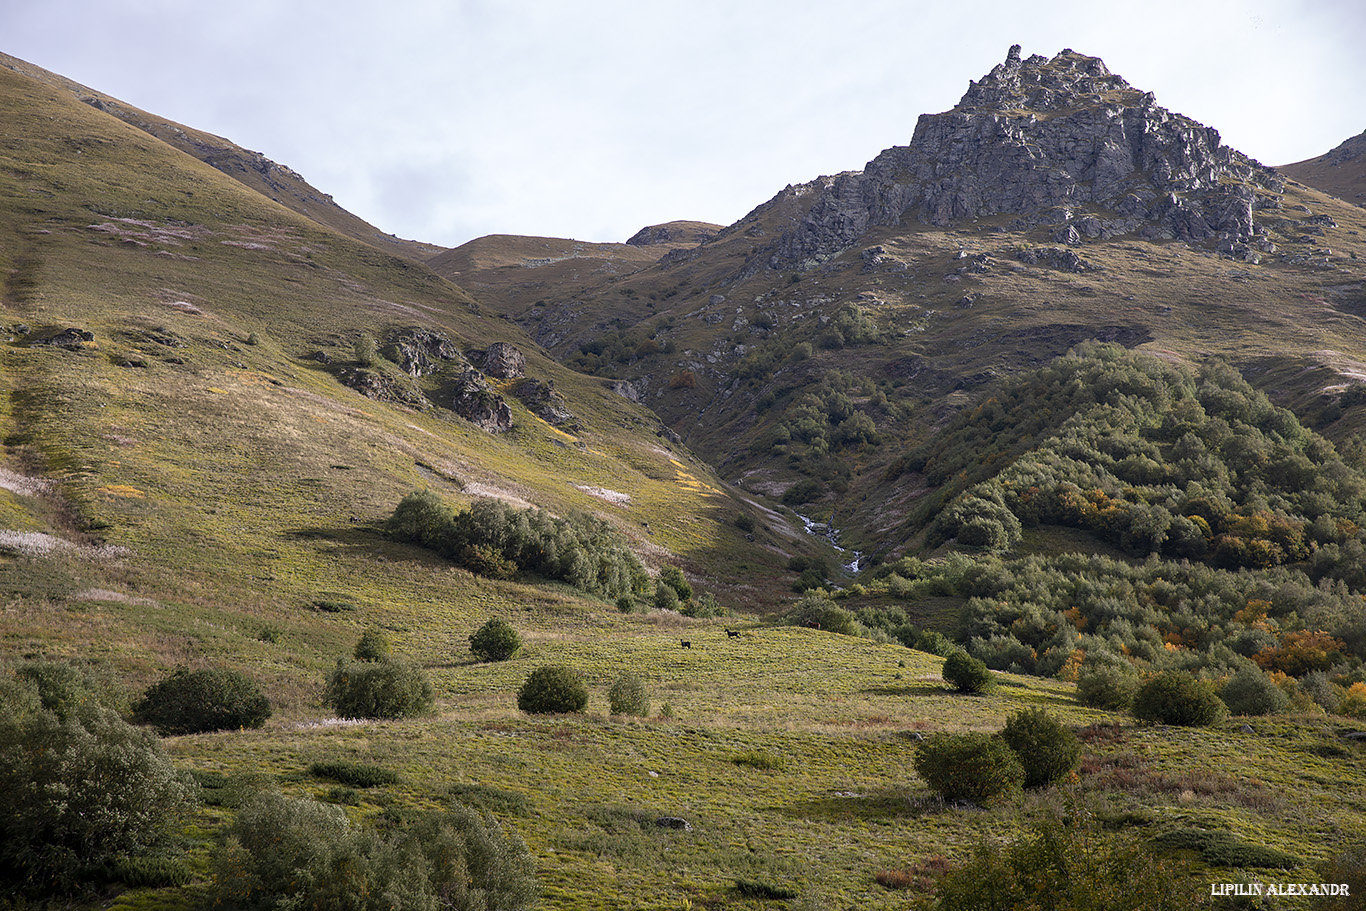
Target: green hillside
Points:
(237, 440)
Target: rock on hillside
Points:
(1060, 142)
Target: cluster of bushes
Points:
(824, 417)
(295, 853)
(1032, 751)
(604, 355)
(85, 797)
(1043, 614)
(1065, 864)
(497, 540)
(1150, 456)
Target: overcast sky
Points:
(445, 120)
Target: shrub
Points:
(1059, 865)
(753, 888)
(151, 871)
(1046, 749)
(1250, 692)
(705, 606)
(293, 853)
(1348, 868)
(817, 611)
(1177, 697)
(967, 674)
(373, 646)
(627, 696)
(421, 518)
(973, 766)
(1221, 849)
(365, 350)
(354, 774)
(79, 788)
(665, 597)
(496, 640)
(193, 702)
(553, 689)
(1107, 686)
(391, 688)
(672, 576)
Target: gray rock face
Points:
(1061, 142)
(474, 400)
(504, 361)
(420, 351)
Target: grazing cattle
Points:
(813, 624)
(684, 643)
(733, 633)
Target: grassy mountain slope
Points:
(193, 485)
(252, 169)
(1340, 172)
(197, 427)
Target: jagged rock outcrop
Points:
(71, 339)
(673, 233)
(1061, 142)
(542, 400)
(375, 384)
(420, 351)
(473, 399)
(504, 361)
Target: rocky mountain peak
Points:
(1062, 143)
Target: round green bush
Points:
(194, 702)
(672, 576)
(1046, 749)
(373, 646)
(1177, 697)
(975, 767)
(967, 674)
(553, 689)
(1106, 686)
(496, 640)
(1251, 692)
(391, 688)
(628, 696)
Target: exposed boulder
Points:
(374, 384)
(71, 339)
